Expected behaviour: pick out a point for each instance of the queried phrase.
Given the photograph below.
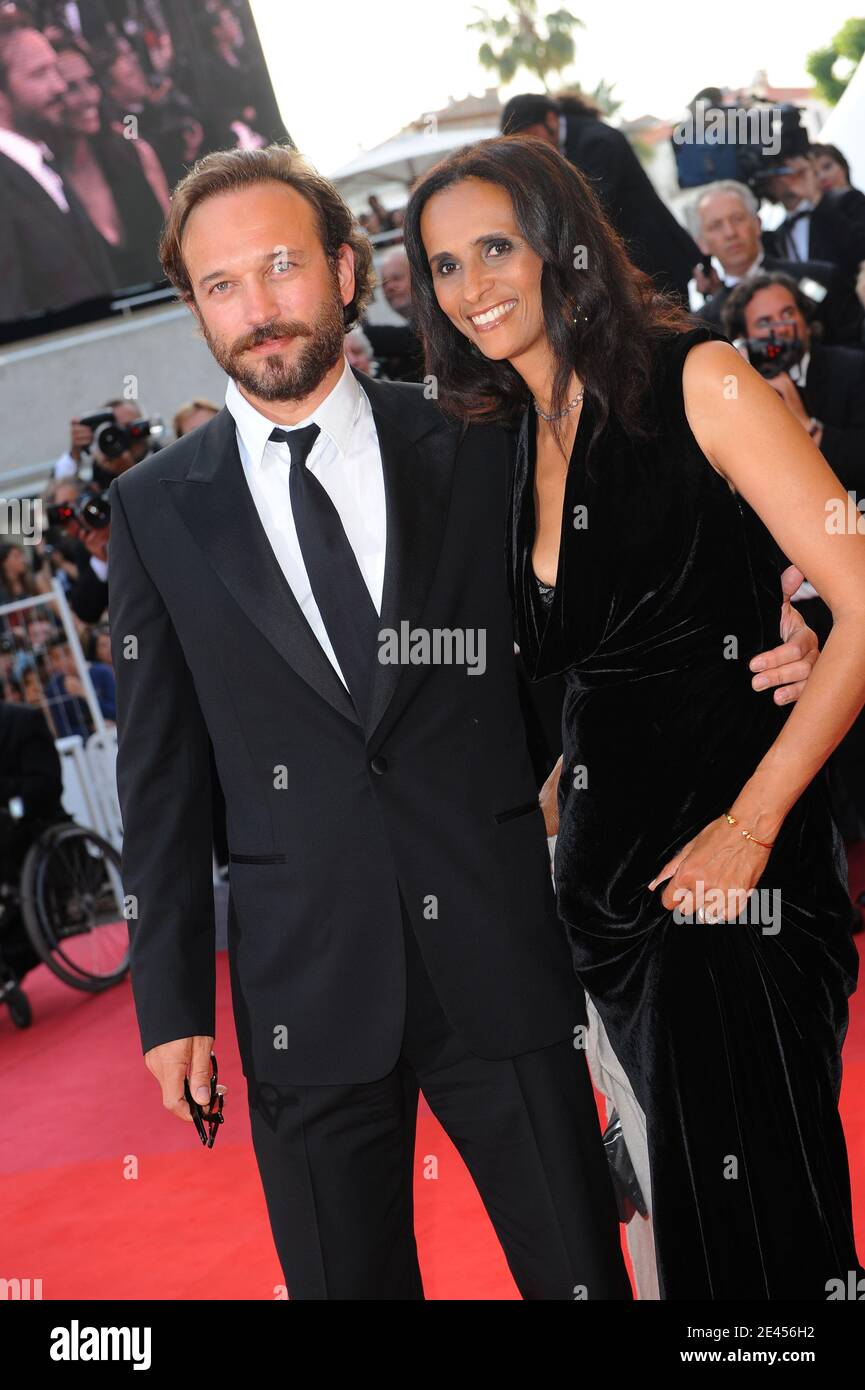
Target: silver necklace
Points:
(571, 405)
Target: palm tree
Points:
(522, 44)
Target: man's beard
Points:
(40, 126)
(273, 378)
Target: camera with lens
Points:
(112, 439)
(772, 355)
(91, 510)
(756, 168)
(764, 139)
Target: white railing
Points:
(89, 784)
(87, 765)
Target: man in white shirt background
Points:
(50, 256)
(726, 225)
(818, 226)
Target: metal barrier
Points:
(32, 630)
(88, 755)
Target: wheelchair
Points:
(61, 906)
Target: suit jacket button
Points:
(379, 764)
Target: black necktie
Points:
(335, 578)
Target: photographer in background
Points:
(112, 440)
(725, 221)
(573, 124)
(76, 540)
(769, 319)
(819, 226)
(824, 387)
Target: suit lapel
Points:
(218, 510)
(418, 473)
(418, 452)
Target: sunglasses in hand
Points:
(212, 1115)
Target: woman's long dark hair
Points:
(617, 308)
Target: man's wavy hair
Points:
(224, 171)
(736, 303)
(618, 310)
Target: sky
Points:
(350, 73)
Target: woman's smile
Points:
(485, 319)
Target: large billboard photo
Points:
(104, 104)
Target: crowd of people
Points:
(801, 286)
(36, 663)
(791, 300)
(98, 121)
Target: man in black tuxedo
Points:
(29, 771)
(818, 226)
(50, 255)
(727, 226)
(396, 345)
(825, 389)
(656, 241)
(315, 581)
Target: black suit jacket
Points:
(834, 392)
(836, 232)
(29, 762)
(49, 259)
(657, 243)
(839, 312)
(327, 821)
(88, 594)
(398, 349)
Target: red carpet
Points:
(105, 1195)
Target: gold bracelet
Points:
(731, 820)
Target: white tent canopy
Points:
(845, 126)
(402, 160)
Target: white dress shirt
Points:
(346, 460)
(31, 155)
(798, 372)
(800, 232)
(731, 280)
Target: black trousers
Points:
(336, 1164)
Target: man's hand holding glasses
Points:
(186, 1071)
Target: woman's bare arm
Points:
(752, 440)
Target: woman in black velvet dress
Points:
(647, 473)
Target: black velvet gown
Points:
(731, 1033)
